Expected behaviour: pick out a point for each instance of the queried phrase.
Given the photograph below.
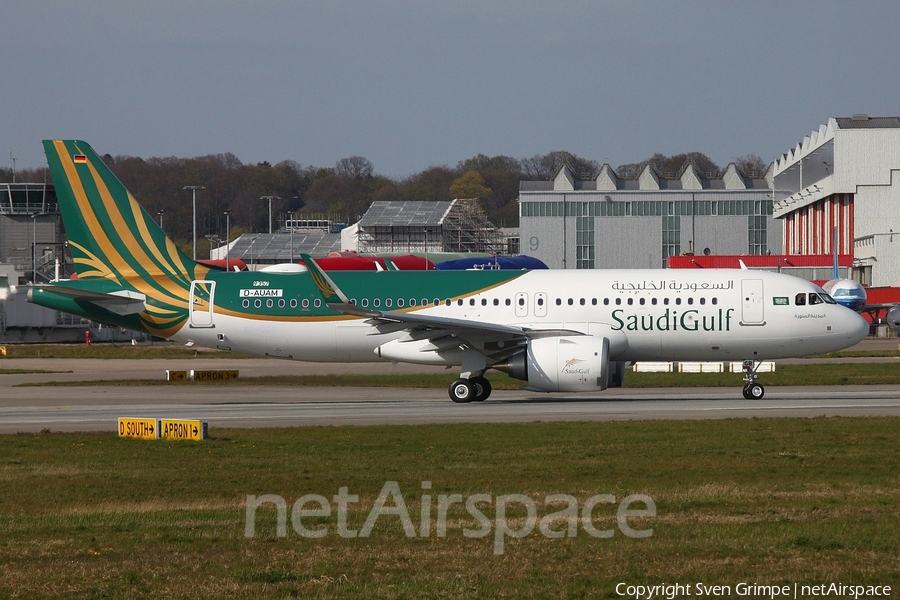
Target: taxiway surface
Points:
(90, 408)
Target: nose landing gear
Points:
(752, 390)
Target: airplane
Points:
(557, 330)
(851, 293)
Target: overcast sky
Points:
(411, 84)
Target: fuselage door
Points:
(540, 304)
(752, 302)
(201, 308)
(521, 304)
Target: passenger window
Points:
(471, 301)
(521, 301)
(559, 301)
(317, 303)
(293, 303)
(702, 301)
(653, 301)
(800, 299)
(246, 303)
(666, 301)
(497, 301)
(678, 301)
(459, 302)
(484, 301)
(630, 301)
(593, 301)
(690, 301)
(571, 302)
(281, 303)
(508, 301)
(642, 301)
(540, 301)
(365, 303)
(376, 302)
(399, 303)
(715, 301)
(581, 301)
(618, 301)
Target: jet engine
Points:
(893, 316)
(562, 364)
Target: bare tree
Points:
(356, 167)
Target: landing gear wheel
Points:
(482, 388)
(754, 391)
(462, 391)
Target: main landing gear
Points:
(752, 390)
(466, 390)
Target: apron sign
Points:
(182, 429)
(214, 375)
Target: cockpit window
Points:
(800, 299)
(828, 299)
(815, 299)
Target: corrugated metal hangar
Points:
(845, 175)
(612, 222)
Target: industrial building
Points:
(845, 177)
(32, 249)
(388, 227)
(607, 221)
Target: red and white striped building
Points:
(844, 179)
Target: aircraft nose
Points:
(857, 328)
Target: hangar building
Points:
(609, 221)
(845, 175)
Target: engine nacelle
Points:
(893, 316)
(562, 364)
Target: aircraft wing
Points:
(463, 328)
(419, 322)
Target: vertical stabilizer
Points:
(110, 235)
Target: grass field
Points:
(766, 501)
(171, 350)
(789, 375)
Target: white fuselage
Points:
(646, 314)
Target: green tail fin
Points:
(110, 235)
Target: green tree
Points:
(469, 185)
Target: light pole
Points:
(227, 235)
(270, 198)
(160, 213)
(194, 189)
(291, 228)
(34, 217)
(252, 241)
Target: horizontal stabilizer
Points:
(122, 302)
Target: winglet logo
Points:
(323, 285)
